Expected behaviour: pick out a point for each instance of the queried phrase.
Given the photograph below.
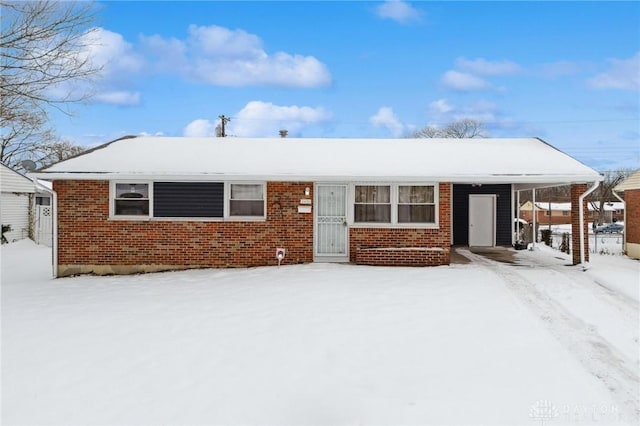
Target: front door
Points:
(482, 220)
(331, 232)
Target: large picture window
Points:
(246, 200)
(416, 204)
(131, 199)
(395, 204)
(372, 204)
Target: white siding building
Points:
(17, 205)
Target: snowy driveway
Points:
(320, 344)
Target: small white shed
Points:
(18, 198)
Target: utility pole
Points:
(223, 120)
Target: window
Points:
(394, 204)
(131, 199)
(372, 204)
(43, 201)
(188, 199)
(416, 204)
(246, 200)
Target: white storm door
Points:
(331, 221)
(482, 220)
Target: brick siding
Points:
(632, 224)
(405, 246)
(88, 242)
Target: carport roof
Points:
(491, 160)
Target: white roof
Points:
(632, 182)
(526, 160)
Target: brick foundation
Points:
(408, 256)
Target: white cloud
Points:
(483, 67)
(200, 128)
(116, 60)
(463, 81)
(118, 98)
(559, 69)
(219, 56)
(385, 117)
(111, 52)
(399, 11)
(264, 119)
(441, 106)
(623, 74)
(441, 112)
(483, 111)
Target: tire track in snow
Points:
(596, 355)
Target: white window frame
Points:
(390, 204)
(434, 203)
(112, 200)
(394, 206)
(227, 202)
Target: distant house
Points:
(560, 213)
(19, 207)
(630, 189)
(159, 203)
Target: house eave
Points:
(537, 179)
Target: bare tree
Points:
(43, 49)
(58, 151)
(604, 193)
(459, 129)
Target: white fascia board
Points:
(532, 180)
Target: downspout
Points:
(518, 214)
(54, 246)
(513, 214)
(624, 218)
(534, 215)
(581, 219)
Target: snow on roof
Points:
(524, 160)
(632, 182)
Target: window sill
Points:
(396, 225)
(186, 219)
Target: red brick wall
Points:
(576, 192)
(542, 219)
(632, 224)
(361, 239)
(89, 241)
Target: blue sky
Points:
(568, 72)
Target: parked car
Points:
(611, 228)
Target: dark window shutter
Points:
(188, 199)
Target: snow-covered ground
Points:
(602, 243)
(536, 342)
